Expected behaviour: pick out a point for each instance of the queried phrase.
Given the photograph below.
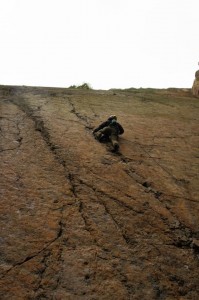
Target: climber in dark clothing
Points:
(109, 130)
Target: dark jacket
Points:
(116, 125)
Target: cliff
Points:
(81, 222)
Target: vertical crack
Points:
(85, 120)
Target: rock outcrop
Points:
(80, 222)
(195, 87)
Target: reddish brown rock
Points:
(81, 222)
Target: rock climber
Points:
(109, 131)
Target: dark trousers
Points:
(109, 132)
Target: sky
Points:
(105, 43)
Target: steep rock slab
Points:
(80, 222)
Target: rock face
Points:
(80, 222)
(195, 88)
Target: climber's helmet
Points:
(112, 117)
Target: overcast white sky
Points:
(106, 43)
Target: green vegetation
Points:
(84, 86)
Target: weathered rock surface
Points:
(195, 87)
(80, 222)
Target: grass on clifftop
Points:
(84, 86)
